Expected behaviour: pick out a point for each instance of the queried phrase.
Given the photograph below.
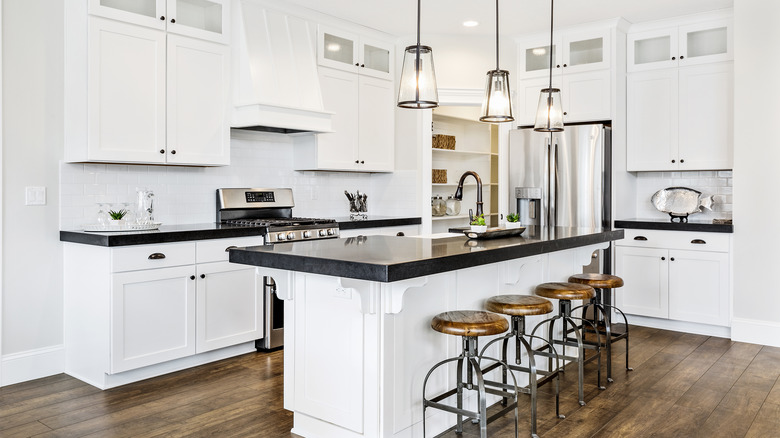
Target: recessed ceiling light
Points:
(470, 23)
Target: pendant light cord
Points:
(552, 9)
(497, 64)
(417, 56)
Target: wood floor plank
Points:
(24, 430)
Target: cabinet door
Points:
(652, 119)
(528, 97)
(198, 99)
(126, 93)
(586, 96)
(338, 150)
(376, 59)
(150, 13)
(152, 317)
(204, 19)
(706, 42)
(534, 57)
(377, 128)
(645, 272)
(699, 287)
(230, 305)
(585, 51)
(652, 49)
(337, 49)
(706, 117)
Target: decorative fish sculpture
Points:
(679, 202)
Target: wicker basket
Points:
(439, 176)
(444, 142)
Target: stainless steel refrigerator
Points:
(562, 178)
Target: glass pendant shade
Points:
(497, 104)
(418, 79)
(549, 115)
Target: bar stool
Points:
(565, 293)
(471, 324)
(600, 282)
(518, 307)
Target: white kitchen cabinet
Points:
(363, 137)
(679, 46)
(680, 118)
(677, 275)
(573, 52)
(354, 53)
(149, 96)
(407, 230)
(204, 19)
(152, 317)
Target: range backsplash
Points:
(187, 194)
(718, 183)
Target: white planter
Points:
(510, 225)
(479, 228)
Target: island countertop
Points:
(390, 258)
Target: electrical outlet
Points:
(35, 196)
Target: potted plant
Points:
(512, 221)
(117, 217)
(478, 224)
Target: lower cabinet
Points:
(682, 276)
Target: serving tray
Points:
(494, 233)
(98, 228)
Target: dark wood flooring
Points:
(683, 385)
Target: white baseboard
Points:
(681, 326)
(32, 364)
(755, 331)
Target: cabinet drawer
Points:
(133, 258)
(216, 250)
(686, 240)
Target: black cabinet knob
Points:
(357, 64)
(192, 277)
(682, 57)
(357, 161)
(682, 161)
(564, 66)
(671, 258)
(162, 151)
(173, 152)
(674, 161)
(202, 275)
(663, 258)
(362, 65)
(558, 66)
(673, 58)
(362, 162)
(564, 113)
(173, 20)
(162, 17)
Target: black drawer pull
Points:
(156, 256)
(230, 247)
(400, 234)
(698, 242)
(640, 238)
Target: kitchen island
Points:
(358, 341)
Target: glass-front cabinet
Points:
(204, 19)
(354, 53)
(571, 52)
(693, 44)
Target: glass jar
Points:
(453, 206)
(439, 207)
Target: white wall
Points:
(756, 171)
(32, 147)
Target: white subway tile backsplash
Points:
(708, 182)
(187, 194)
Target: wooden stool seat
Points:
(598, 281)
(565, 291)
(469, 323)
(519, 305)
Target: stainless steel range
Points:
(271, 209)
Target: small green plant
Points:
(478, 220)
(512, 217)
(117, 215)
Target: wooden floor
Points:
(683, 385)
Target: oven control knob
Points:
(281, 236)
(331, 232)
(291, 236)
(323, 233)
(306, 234)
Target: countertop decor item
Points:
(549, 115)
(494, 233)
(497, 103)
(358, 205)
(418, 78)
(679, 202)
(512, 221)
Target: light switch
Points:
(35, 196)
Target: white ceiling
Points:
(518, 17)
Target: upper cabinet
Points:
(680, 46)
(355, 75)
(583, 63)
(354, 53)
(204, 19)
(171, 107)
(680, 98)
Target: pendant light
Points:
(549, 115)
(497, 104)
(418, 78)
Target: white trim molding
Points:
(755, 331)
(32, 364)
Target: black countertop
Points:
(667, 225)
(391, 258)
(182, 233)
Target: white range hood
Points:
(275, 82)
